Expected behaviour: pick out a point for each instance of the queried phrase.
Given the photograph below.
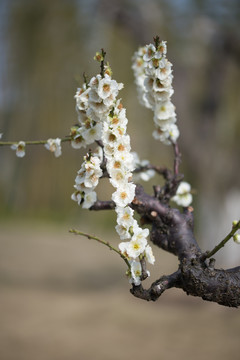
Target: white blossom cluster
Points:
(93, 103)
(53, 145)
(87, 179)
(153, 77)
(120, 165)
(102, 117)
(142, 175)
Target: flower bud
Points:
(236, 238)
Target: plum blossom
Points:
(54, 145)
(102, 118)
(89, 199)
(20, 148)
(124, 194)
(155, 89)
(183, 195)
(136, 272)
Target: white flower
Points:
(54, 145)
(147, 175)
(78, 141)
(98, 152)
(89, 199)
(94, 82)
(164, 69)
(89, 173)
(149, 100)
(119, 177)
(82, 116)
(94, 97)
(122, 145)
(108, 87)
(1, 134)
(148, 83)
(140, 234)
(124, 216)
(136, 247)
(162, 48)
(168, 134)
(136, 272)
(109, 136)
(123, 232)
(149, 255)
(99, 108)
(77, 196)
(20, 148)
(163, 124)
(124, 194)
(126, 159)
(92, 134)
(118, 120)
(82, 99)
(160, 86)
(92, 180)
(183, 196)
(173, 132)
(164, 110)
(92, 163)
(150, 52)
(123, 246)
(80, 178)
(113, 164)
(143, 175)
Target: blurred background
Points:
(61, 296)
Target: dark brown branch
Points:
(220, 286)
(172, 231)
(157, 288)
(103, 205)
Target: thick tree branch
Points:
(172, 231)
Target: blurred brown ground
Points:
(64, 297)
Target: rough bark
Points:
(172, 231)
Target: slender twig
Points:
(177, 158)
(166, 173)
(156, 40)
(209, 254)
(31, 142)
(106, 243)
(102, 62)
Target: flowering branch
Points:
(106, 243)
(32, 142)
(102, 120)
(53, 145)
(235, 228)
